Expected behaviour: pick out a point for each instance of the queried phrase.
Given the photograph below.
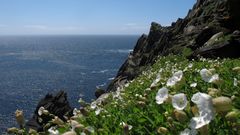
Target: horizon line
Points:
(71, 34)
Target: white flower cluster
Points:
(177, 76)
(208, 76)
(179, 101)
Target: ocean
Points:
(32, 66)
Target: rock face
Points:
(189, 37)
(57, 105)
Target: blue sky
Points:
(24, 17)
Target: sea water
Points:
(32, 66)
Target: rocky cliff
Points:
(210, 29)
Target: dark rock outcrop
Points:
(57, 105)
(99, 92)
(204, 20)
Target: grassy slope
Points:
(139, 109)
(137, 106)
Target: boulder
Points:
(55, 104)
(99, 92)
(226, 49)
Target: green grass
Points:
(137, 106)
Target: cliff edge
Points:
(210, 29)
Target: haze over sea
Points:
(32, 66)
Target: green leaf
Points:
(142, 120)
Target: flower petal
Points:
(162, 95)
(179, 101)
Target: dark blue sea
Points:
(32, 66)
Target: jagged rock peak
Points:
(187, 36)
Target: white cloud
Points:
(45, 29)
(39, 27)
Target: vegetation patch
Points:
(175, 96)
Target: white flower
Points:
(205, 107)
(82, 133)
(53, 131)
(202, 100)
(98, 110)
(76, 112)
(190, 65)
(179, 101)
(126, 125)
(93, 105)
(90, 129)
(189, 132)
(235, 82)
(40, 110)
(137, 95)
(207, 76)
(193, 85)
(73, 124)
(162, 95)
(82, 102)
(155, 82)
(127, 84)
(197, 122)
(117, 94)
(177, 76)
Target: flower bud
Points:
(195, 110)
(12, 130)
(45, 112)
(212, 70)
(70, 133)
(162, 130)
(222, 104)
(233, 115)
(47, 126)
(89, 130)
(79, 127)
(57, 121)
(73, 124)
(214, 92)
(141, 103)
(142, 98)
(180, 116)
(100, 130)
(20, 132)
(170, 120)
(40, 120)
(20, 118)
(236, 69)
(32, 132)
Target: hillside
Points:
(211, 29)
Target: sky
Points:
(88, 17)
